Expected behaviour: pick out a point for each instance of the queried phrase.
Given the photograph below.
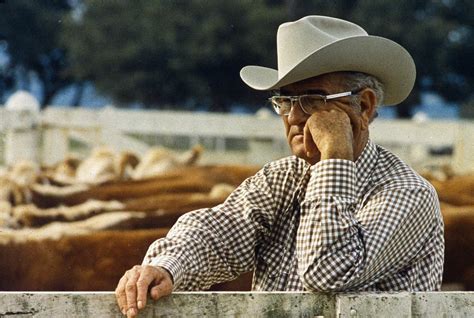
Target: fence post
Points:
(55, 144)
(464, 148)
(22, 140)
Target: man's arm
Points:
(208, 245)
(213, 245)
(339, 248)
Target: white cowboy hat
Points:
(317, 45)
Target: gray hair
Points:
(359, 80)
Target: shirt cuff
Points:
(332, 177)
(172, 265)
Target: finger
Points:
(148, 275)
(353, 123)
(309, 145)
(120, 294)
(131, 291)
(163, 288)
(354, 118)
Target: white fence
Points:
(47, 137)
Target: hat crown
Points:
(317, 45)
(296, 40)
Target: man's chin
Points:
(300, 151)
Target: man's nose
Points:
(297, 115)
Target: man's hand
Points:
(132, 289)
(330, 132)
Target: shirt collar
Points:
(365, 165)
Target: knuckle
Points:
(119, 292)
(130, 287)
(149, 267)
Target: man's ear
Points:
(368, 105)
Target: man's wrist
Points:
(166, 272)
(338, 154)
(338, 150)
(332, 177)
(171, 265)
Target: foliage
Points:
(29, 31)
(172, 52)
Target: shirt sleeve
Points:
(347, 245)
(213, 245)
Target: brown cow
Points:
(170, 205)
(104, 165)
(160, 160)
(77, 257)
(456, 190)
(88, 262)
(190, 179)
(74, 262)
(459, 236)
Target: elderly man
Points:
(342, 214)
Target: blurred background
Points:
(92, 89)
(186, 55)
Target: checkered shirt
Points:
(369, 225)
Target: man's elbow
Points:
(322, 285)
(328, 283)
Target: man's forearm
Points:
(328, 247)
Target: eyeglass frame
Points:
(325, 98)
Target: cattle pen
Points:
(101, 217)
(245, 304)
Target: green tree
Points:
(29, 35)
(455, 80)
(172, 53)
(188, 53)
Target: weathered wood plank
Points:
(245, 304)
(440, 305)
(202, 304)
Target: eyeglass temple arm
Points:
(343, 94)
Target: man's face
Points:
(295, 122)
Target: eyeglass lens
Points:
(308, 103)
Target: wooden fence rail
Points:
(244, 304)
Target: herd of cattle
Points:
(80, 224)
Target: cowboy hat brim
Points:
(385, 59)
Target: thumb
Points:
(163, 288)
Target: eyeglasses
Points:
(308, 103)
